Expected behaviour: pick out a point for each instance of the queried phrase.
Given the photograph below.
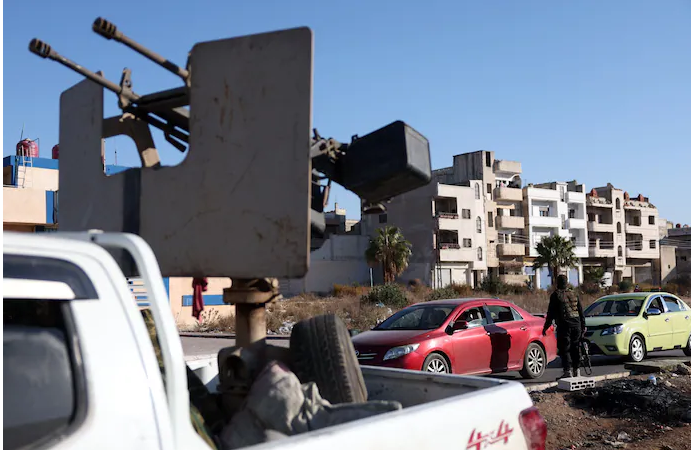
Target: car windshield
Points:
(424, 317)
(615, 307)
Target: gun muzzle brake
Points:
(40, 48)
(106, 29)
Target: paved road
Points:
(602, 365)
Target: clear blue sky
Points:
(598, 91)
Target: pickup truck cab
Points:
(80, 369)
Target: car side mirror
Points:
(459, 325)
(653, 312)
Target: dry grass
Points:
(346, 303)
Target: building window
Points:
(591, 217)
(562, 193)
(653, 243)
(651, 220)
(383, 218)
(465, 213)
(489, 188)
(618, 202)
(477, 191)
(619, 227)
(544, 211)
(683, 258)
(563, 221)
(490, 219)
(479, 253)
(572, 214)
(467, 243)
(488, 159)
(620, 252)
(478, 225)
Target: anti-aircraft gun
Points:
(253, 187)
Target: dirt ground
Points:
(629, 413)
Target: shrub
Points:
(388, 294)
(442, 294)
(461, 290)
(344, 290)
(625, 286)
(496, 287)
(590, 287)
(672, 288)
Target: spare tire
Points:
(323, 353)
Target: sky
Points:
(597, 91)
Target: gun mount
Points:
(239, 205)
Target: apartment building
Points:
(465, 225)
(498, 183)
(446, 226)
(555, 209)
(624, 235)
(675, 253)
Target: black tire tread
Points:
(687, 349)
(323, 353)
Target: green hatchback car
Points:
(637, 323)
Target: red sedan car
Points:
(462, 336)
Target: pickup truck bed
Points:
(122, 401)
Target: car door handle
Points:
(667, 319)
(687, 317)
(524, 328)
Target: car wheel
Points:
(534, 362)
(687, 350)
(435, 363)
(323, 353)
(637, 349)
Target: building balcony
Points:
(511, 249)
(454, 253)
(448, 224)
(598, 252)
(576, 223)
(511, 222)
(645, 253)
(507, 166)
(598, 202)
(544, 222)
(508, 194)
(641, 250)
(598, 227)
(575, 197)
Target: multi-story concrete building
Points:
(467, 224)
(446, 227)
(675, 253)
(498, 183)
(624, 235)
(555, 209)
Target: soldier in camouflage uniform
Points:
(565, 309)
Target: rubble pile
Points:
(634, 413)
(638, 399)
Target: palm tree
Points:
(390, 249)
(555, 252)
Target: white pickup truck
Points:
(80, 370)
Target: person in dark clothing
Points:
(565, 309)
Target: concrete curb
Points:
(609, 376)
(227, 335)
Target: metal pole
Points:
(371, 278)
